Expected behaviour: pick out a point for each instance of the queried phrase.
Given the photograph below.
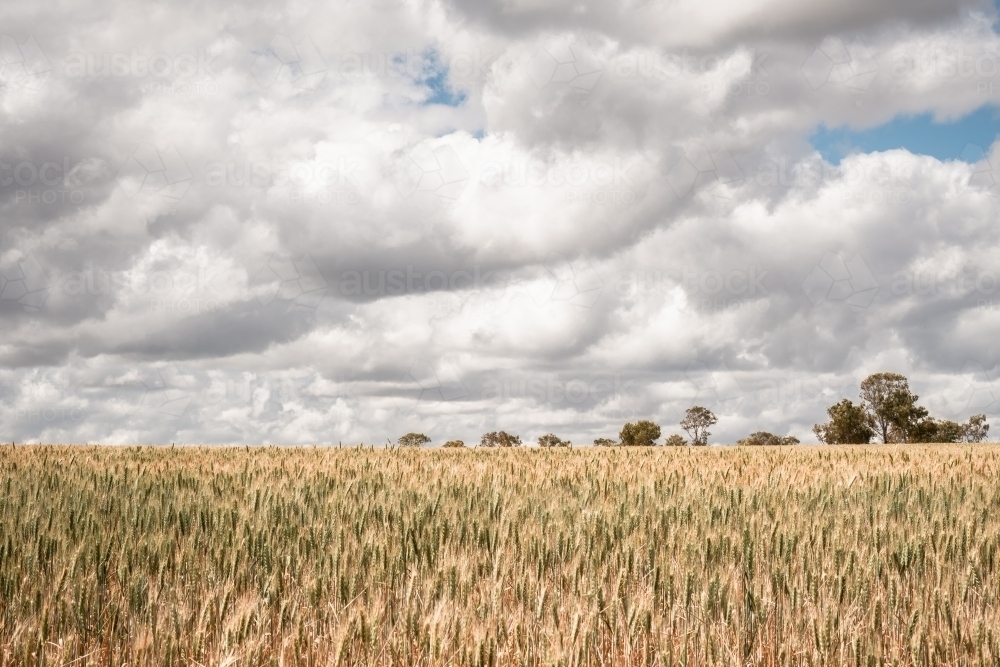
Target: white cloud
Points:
(245, 227)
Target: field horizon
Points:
(369, 446)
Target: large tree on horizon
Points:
(696, 422)
(891, 406)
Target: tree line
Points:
(887, 411)
(642, 433)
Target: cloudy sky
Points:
(339, 222)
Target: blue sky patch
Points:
(919, 134)
(434, 75)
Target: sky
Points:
(321, 223)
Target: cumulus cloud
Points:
(295, 224)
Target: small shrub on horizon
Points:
(943, 431)
(499, 439)
(848, 425)
(936, 430)
(413, 440)
(605, 442)
(454, 443)
(552, 440)
(643, 433)
(674, 440)
(765, 439)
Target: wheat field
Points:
(863, 555)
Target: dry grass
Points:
(805, 556)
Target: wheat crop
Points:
(603, 556)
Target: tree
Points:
(765, 439)
(674, 440)
(499, 439)
(849, 425)
(946, 430)
(413, 440)
(605, 442)
(913, 423)
(889, 410)
(643, 433)
(454, 443)
(928, 429)
(890, 406)
(696, 422)
(551, 440)
(924, 429)
(975, 429)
